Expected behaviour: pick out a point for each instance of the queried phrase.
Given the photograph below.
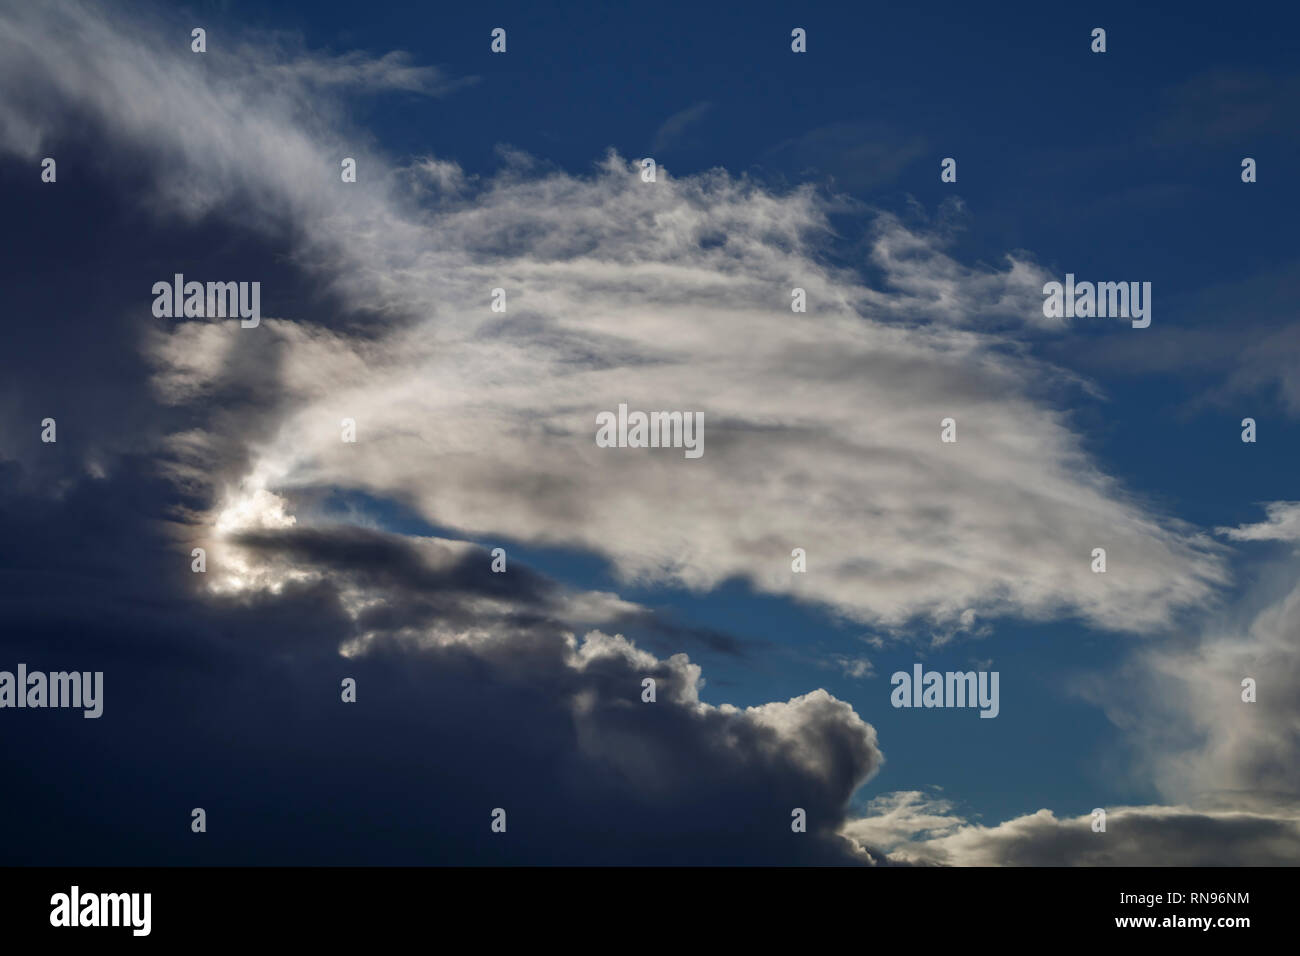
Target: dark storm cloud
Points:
(234, 706)
(426, 581)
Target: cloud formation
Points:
(822, 433)
(920, 829)
(822, 428)
(1224, 755)
(1283, 524)
(474, 691)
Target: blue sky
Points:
(1116, 166)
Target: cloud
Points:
(822, 428)
(1226, 767)
(822, 432)
(421, 589)
(473, 693)
(812, 420)
(1225, 761)
(937, 288)
(1256, 356)
(673, 128)
(1269, 361)
(1283, 524)
(917, 828)
(855, 667)
(1181, 703)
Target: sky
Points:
(522, 689)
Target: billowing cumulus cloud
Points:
(475, 690)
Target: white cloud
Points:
(822, 429)
(855, 667)
(1283, 524)
(1181, 704)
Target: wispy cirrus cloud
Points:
(823, 428)
(1283, 524)
(676, 126)
(355, 70)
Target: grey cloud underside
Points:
(239, 701)
(416, 586)
(923, 830)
